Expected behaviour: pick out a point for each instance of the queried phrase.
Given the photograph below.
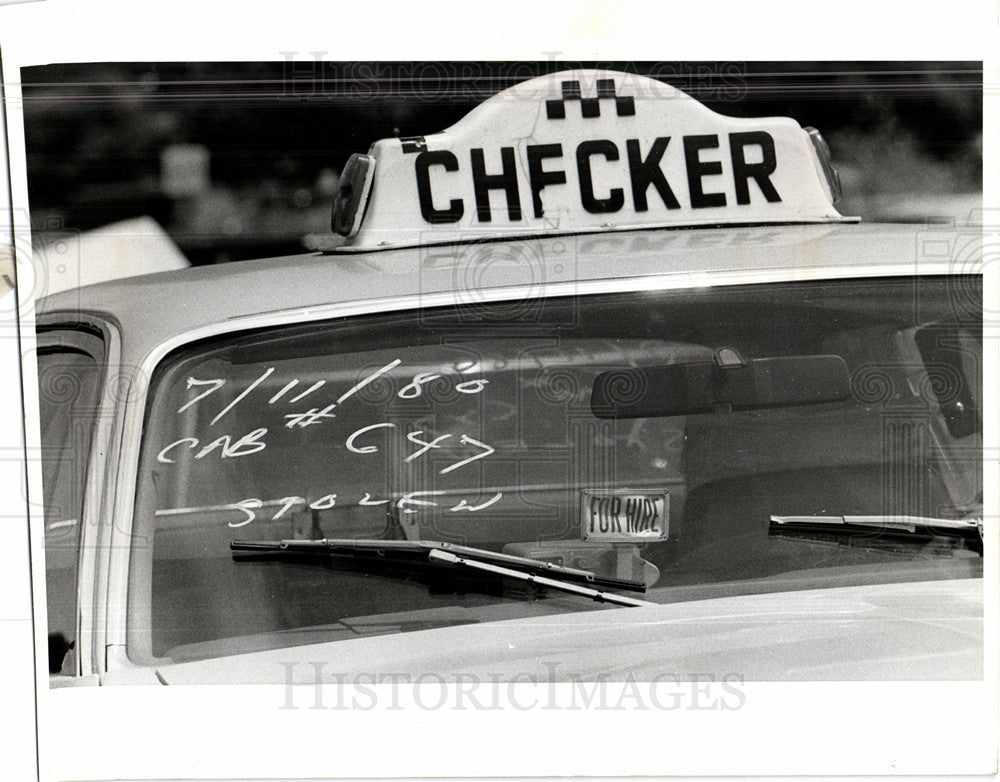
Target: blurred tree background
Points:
(241, 160)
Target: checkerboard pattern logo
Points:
(590, 107)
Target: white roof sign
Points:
(583, 151)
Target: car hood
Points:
(901, 631)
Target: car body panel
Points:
(154, 314)
(154, 309)
(892, 632)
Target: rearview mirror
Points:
(726, 384)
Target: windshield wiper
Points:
(447, 557)
(437, 552)
(970, 528)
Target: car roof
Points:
(152, 309)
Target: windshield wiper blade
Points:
(384, 548)
(439, 555)
(961, 527)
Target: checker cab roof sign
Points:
(583, 151)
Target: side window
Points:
(69, 375)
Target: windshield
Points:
(653, 437)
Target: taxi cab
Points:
(596, 382)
